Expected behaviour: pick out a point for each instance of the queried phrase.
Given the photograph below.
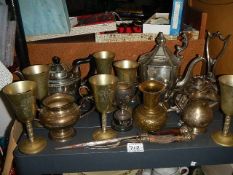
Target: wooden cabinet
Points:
(42, 52)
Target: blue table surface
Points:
(202, 150)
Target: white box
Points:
(159, 22)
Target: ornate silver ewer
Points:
(203, 86)
(162, 65)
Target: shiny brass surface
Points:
(39, 74)
(224, 137)
(104, 60)
(126, 70)
(59, 114)
(150, 116)
(197, 115)
(104, 87)
(22, 97)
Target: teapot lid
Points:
(58, 70)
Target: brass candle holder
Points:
(103, 86)
(22, 97)
(224, 137)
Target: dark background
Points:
(148, 7)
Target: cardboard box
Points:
(15, 133)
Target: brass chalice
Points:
(39, 74)
(22, 97)
(126, 71)
(122, 119)
(103, 86)
(224, 137)
(103, 60)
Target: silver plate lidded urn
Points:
(162, 65)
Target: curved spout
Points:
(189, 71)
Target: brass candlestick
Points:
(224, 137)
(22, 97)
(103, 86)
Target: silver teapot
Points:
(162, 65)
(67, 79)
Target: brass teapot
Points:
(162, 65)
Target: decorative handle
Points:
(179, 49)
(92, 67)
(211, 61)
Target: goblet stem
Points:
(226, 126)
(104, 121)
(30, 131)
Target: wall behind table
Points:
(219, 19)
(42, 53)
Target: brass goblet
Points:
(104, 61)
(122, 119)
(103, 86)
(126, 71)
(39, 74)
(224, 137)
(22, 97)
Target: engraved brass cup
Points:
(126, 70)
(150, 116)
(104, 61)
(103, 86)
(39, 74)
(22, 97)
(224, 137)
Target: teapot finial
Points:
(160, 39)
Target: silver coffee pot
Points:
(162, 65)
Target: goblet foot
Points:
(62, 135)
(198, 130)
(28, 147)
(222, 140)
(122, 121)
(99, 134)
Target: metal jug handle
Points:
(19, 74)
(79, 61)
(211, 61)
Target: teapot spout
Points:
(185, 79)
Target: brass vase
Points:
(150, 116)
